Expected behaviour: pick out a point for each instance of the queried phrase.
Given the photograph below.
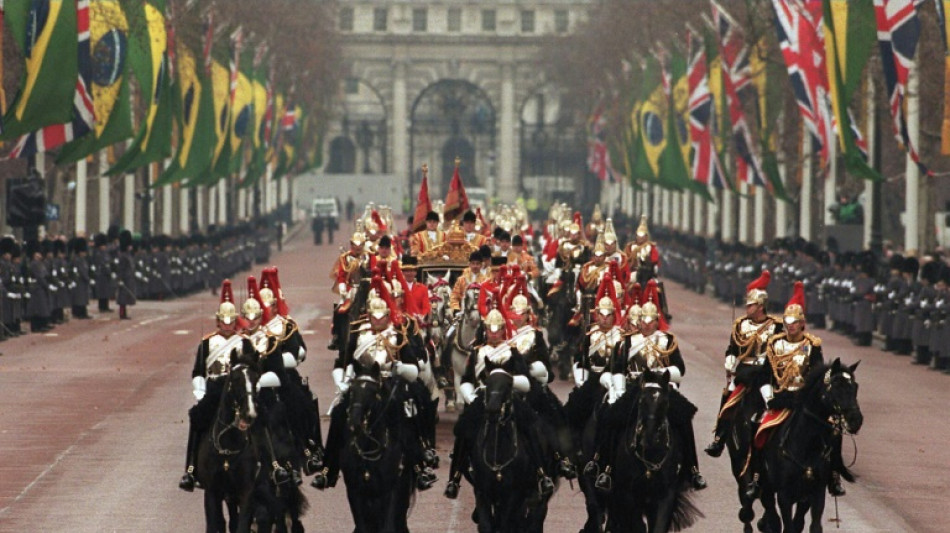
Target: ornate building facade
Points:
(431, 81)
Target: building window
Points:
(527, 21)
(380, 15)
(488, 20)
(351, 85)
(560, 21)
(346, 19)
(455, 19)
(420, 19)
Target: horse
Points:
(798, 458)
(226, 458)
(379, 479)
(460, 342)
(739, 443)
(648, 473)
(501, 472)
(594, 500)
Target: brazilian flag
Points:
(148, 56)
(242, 116)
(290, 140)
(221, 96)
(850, 35)
(650, 124)
(196, 113)
(109, 46)
(46, 32)
(255, 169)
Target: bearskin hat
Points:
(125, 239)
(113, 233)
(930, 271)
(469, 216)
(6, 245)
(896, 262)
(911, 266)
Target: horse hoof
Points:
(450, 407)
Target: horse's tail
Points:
(685, 513)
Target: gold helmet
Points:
(633, 313)
(251, 309)
(795, 309)
(494, 320)
(599, 247)
(227, 312)
(755, 291)
(519, 304)
(649, 312)
(610, 235)
(377, 308)
(267, 297)
(606, 306)
(642, 229)
(358, 238)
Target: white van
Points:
(326, 207)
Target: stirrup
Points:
(835, 488)
(545, 486)
(425, 478)
(321, 481)
(604, 483)
(451, 490)
(591, 469)
(187, 482)
(715, 448)
(314, 462)
(566, 468)
(698, 481)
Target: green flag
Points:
(258, 163)
(764, 77)
(196, 108)
(675, 160)
(850, 35)
(109, 41)
(148, 56)
(47, 36)
(650, 124)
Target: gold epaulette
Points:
(777, 337)
(208, 336)
(815, 341)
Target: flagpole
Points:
(831, 181)
(781, 208)
(744, 213)
(869, 192)
(758, 218)
(128, 201)
(183, 209)
(912, 171)
(104, 190)
(728, 223)
(82, 170)
(805, 198)
(712, 213)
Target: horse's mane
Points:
(814, 380)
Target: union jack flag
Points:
(736, 74)
(898, 31)
(84, 115)
(237, 40)
(598, 157)
(706, 167)
(803, 50)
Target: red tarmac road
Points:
(93, 422)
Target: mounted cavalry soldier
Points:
(349, 268)
(212, 365)
(790, 355)
(289, 351)
(496, 355)
(655, 349)
(745, 356)
(378, 341)
(614, 254)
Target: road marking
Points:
(150, 320)
(454, 517)
(36, 480)
(51, 334)
(181, 332)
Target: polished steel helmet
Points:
(649, 312)
(519, 304)
(251, 309)
(494, 320)
(227, 313)
(377, 308)
(606, 306)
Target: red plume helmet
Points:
(227, 293)
(253, 292)
(651, 295)
(755, 292)
(227, 310)
(270, 279)
(795, 309)
(635, 295)
(378, 220)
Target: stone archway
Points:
(449, 119)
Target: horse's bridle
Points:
(505, 419)
(379, 446)
(216, 434)
(638, 449)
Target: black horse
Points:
(801, 455)
(501, 471)
(377, 471)
(277, 499)
(648, 473)
(739, 443)
(226, 459)
(594, 499)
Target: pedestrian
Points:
(350, 206)
(331, 225)
(317, 227)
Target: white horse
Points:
(463, 337)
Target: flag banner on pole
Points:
(849, 35)
(221, 100)
(706, 167)
(148, 57)
(84, 117)
(898, 31)
(734, 56)
(802, 48)
(196, 107)
(598, 158)
(45, 31)
(423, 204)
(109, 50)
(456, 201)
(943, 6)
(764, 76)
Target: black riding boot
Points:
(334, 330)
(752, 474)
(545, 483)
(718, 444)
(187, 482)
(604, 482)
(313, 448)
(327, 477)
(458, 464)
(692, 461)
(838, 470)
